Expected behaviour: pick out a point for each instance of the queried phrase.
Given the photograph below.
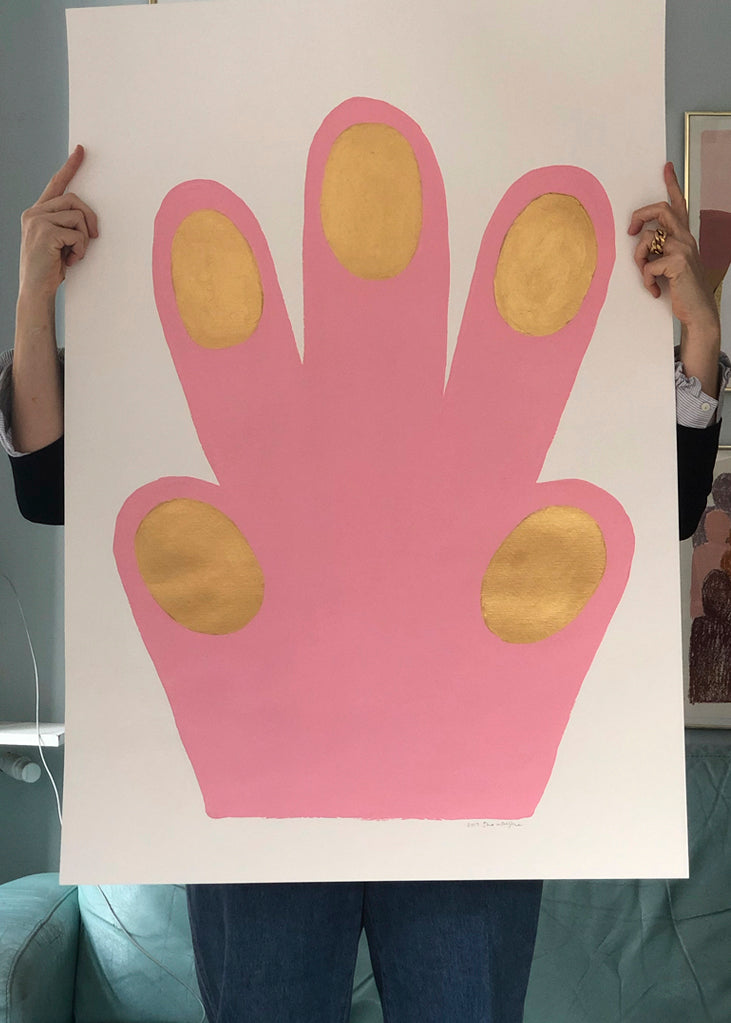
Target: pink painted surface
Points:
(368, 685)
(707, 556)
(716, 170)
(714, 242)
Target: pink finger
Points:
(376, 268)
(544, 655)
(221, 308)
(193, 581)
(539, 285)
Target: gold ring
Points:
(657, 245)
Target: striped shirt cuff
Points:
(693, 406)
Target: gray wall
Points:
(33, 129)
(698, 70)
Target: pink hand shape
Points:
(373, 680)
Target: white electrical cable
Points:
(58, 803)
(39, 739)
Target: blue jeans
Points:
(442, 951)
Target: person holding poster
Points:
(442, 951)
(670, 252)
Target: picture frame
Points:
(708, 195)
(725, 438)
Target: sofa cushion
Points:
(366, 1007)
(646, 951)
(38, 935)
(115, 981)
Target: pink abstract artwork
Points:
(709, 660)
(715, 204)
(368, 683)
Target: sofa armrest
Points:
(39, 928)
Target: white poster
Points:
(329, 617)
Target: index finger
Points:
(675, 194)
(63, 177)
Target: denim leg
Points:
(452, 951)
(275, 953)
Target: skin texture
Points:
(680, 267)
(58, 228)
(56, 232)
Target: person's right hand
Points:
(55, 232)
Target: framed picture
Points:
(708, 194)
(725, 437)
(706, 557)
(706, 576)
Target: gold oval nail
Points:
(546, 264)
(543, 574)
(371, 201)
(216, 279)
(199, 567)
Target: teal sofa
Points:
(607, 951)
(65, 959)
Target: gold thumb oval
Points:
(371, 201)
(546, 264)
(199, 567)
(216, 280)
(543, 574)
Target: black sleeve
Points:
(38, 479)
(696, 458)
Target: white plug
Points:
(19, 767)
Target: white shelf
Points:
(23, 733)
